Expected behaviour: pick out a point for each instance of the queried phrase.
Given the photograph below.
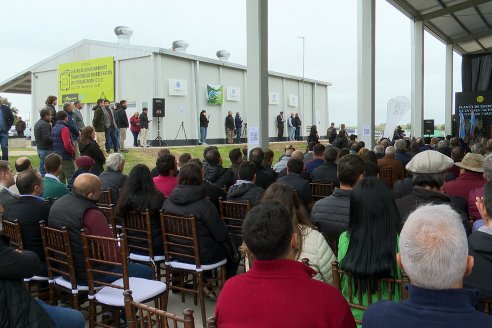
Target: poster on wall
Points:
(473, 114)
(233, 94)
(293, 100)
(86, 80)
(215, 94)
(178, 87)
(274, 98)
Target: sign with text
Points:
(473, 111)
(86, 80)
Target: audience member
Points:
(53, 188)
(342, 152)
(140, 194)
(401, 153)
(160, 153)
(327, 172)
(371, 170)
(6, 181)
(245, 189)
(214, 171)
(331, 213)
(113, 178)
(44, 140)
(367, 249)
(428, 169)
(296, 154)
(21, 164)
(478, 192)
(282, 163)
(269, 236)
(311, 243)
(309, 155)
(379, 151)
(236, 157)
(443, 147)
(77, 211)
(434, 255)
(214, 192)
(166, 180)
(389, 162)
(182, 160)
(63, 146)
(457, 154)
(318, 158)
(294, 180)
(89, 147)
(341, 141)
(84, 165)
(263, 178)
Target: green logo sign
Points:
(215, 94)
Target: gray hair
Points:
(379, 149)
(390, 151)
(400, 144)
(487, 166)
(433, 247)
(114, 161)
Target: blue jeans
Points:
(4, 142)
(63, 317)
(203, 134)
(238, 135)
(42, 155)
(111, 139)
(292, 131)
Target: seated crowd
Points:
(402, 213)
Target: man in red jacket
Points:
(277, 291)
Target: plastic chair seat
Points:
(146, 258)
(192, 267)
(142, 290)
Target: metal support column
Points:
(448, 100)
(417, 79)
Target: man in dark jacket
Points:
(294, 180)
(63, 146)
(297, 125)
(214, 171)
(245, 189)
(44, 141)
(113, 178)
(229, 127)
(68, 107)
(238, 122)
(332, 213)
(264, 175)
(280, 126)
(17, 307)
(318, 159)
(401, 152)
(327, 172)
(122, 123)
(98, 124)
(6, 121)
(112, 131)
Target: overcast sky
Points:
(32, 31)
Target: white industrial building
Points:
(143, 73)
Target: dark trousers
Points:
(297, 134)
(135, 138)
(280, 133)
(111, 139)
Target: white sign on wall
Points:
(178, 87)
(293, 100)
(233, 94)
(274, 98)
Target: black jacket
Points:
(480, 247)
(214, 192)
(265, 176)
(421, 196)
(212, 233)
(18, 309)
(300, 185)
(203, 121)
(93, 151)
(144, 121)
(244, 192)
(340, 143)
(219, 175)
(7, 116)
(326, 172)
(120, 118)
(332, 213)
(52, 110)
(114, 181)
(42, 134)
(229, 122)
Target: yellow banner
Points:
(86, 80)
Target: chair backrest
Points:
(360, 291)
(101, 254)
(58, 253)
(321, 190)
(486, 305)
(141, 315)
(12, 230)
(105, 197)
(180, 237)
(331, 239)
(138, 231)
(211, 323)
(233, 214)
(110, 213)
(386, 174)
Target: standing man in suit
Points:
(280, 126)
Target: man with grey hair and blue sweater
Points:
(434, 254)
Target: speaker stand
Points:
(181, 127)
(158, 139)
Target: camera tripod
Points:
(158, 139)
(244, 133)
(181, 127)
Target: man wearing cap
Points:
(429, 168)
(471, 176)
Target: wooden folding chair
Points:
(180, 236)
(12, 230)
(144, 316)
(321, 190)
(211, 323)
(233, 214)
(105, 198)
(59, 260)
(110, 214)
(362, 291)
(138, 230)
(386, 175)
(102, 256)
(331, 239)
(485, 305)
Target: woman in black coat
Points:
(89, 147)
(313, 135)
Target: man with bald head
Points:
(21, 164)
(77, 211)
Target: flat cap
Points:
(428, 162)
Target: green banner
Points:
(215, 94)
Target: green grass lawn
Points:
(148, 156)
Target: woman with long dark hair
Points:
(368, 248)
(89, 147)
(313, 135)
(312, 245)
(138, 194)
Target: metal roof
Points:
(467, 25)
(21, 82)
